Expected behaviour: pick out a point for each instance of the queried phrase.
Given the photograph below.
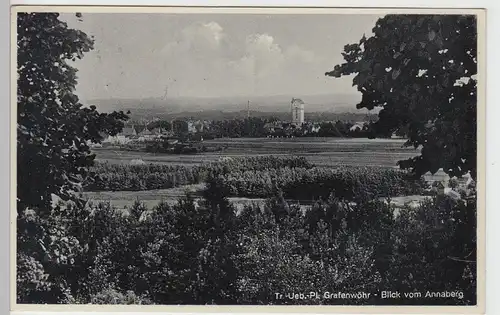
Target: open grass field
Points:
(319, 151)
(151, 198)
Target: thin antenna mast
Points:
(166, 93)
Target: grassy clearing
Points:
(319, 151)
(155, 194)
(151, 198)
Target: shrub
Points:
(435, 250)
(31, 279)
(137, 162)
(112, 296)
(278, 255)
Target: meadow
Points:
(319, 151)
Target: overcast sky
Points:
(138, 55)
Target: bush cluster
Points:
(116, 177)
(351, 183)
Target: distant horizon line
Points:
(215, 97)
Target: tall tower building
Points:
(297, 109)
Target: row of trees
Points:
(114, 177)
(203, 253)
(255, 127)
(177, 125)
(350, 183)
(248, 127)
(338, 129)
(163, 145)
(236, 128)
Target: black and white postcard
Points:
(232, 157)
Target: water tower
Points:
(297, 109)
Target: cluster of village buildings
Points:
(138, 133)
(141, 133)
(306, 127)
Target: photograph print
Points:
(226, 157)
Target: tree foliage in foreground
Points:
(53, 128)
(421, 71)
(201, 252)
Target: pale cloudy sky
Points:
(138, 55)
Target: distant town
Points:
(183, 132)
